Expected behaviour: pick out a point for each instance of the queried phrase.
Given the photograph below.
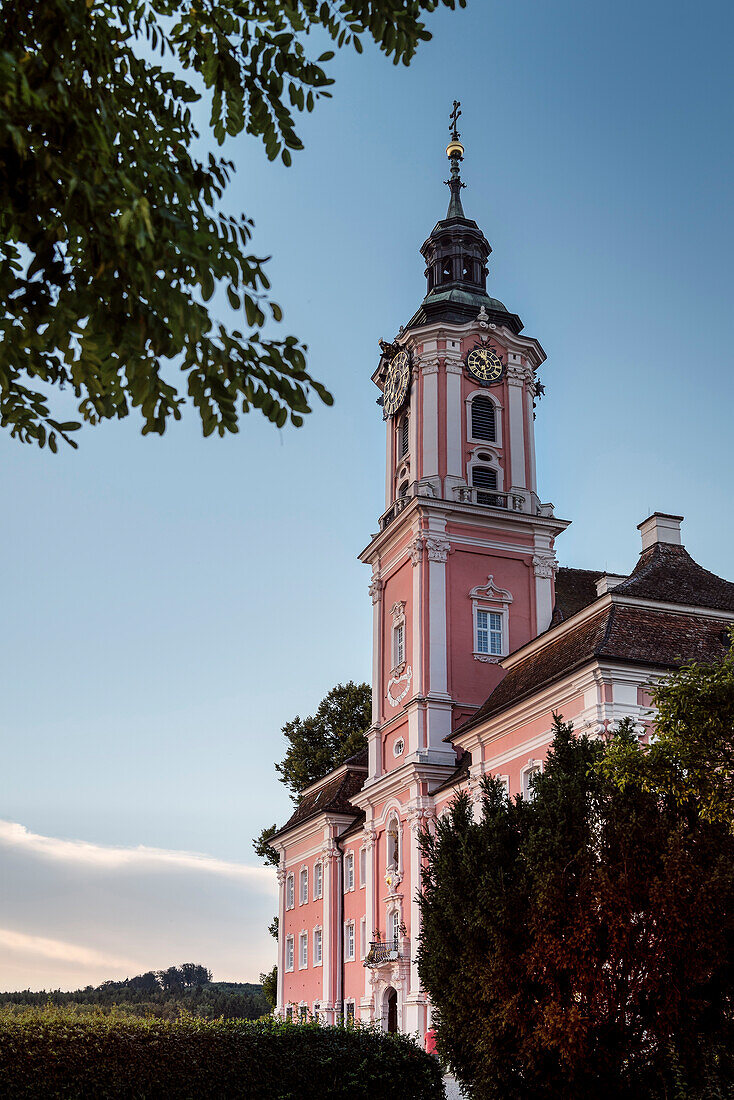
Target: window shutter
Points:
(404, 435)
(484, 477)
(482, 419)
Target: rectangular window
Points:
(303, 958)
(349, 872)
(303, 1013)
(290, 892)
(289, 1013)
(349, 941)
(350, 1013)
(317, 947)
(318, 881)
(304, 886)
(363, 938)
(489, 633)
(317, 1011)
(289, 952)
(398, 645)
(363, 867)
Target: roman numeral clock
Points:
(484, 364)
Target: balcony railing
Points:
(382, 952)
(470, 494)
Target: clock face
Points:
(485, 365)
(396, 383)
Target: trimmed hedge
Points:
(52, 1053)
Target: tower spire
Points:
(455, 153)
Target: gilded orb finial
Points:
(454, 149)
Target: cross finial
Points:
(454, 120)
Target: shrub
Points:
(53, 1053)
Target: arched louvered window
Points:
(403, 490)
(404, 435)
(482, 419)
(484, 477)
(447, 270)
(467, 269)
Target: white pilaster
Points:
(280, 1008)
(390, 443)
(529, 414)
(544, 568)
(370, 838)
(454, 441)
(416, 554)
(515, 385)
(437, 549)
(429, 470)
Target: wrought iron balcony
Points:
(381, 952)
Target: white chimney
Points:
(660, 527)
(607, 582)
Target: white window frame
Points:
(470, 419)
(348, 872)
(363, 945)
(349, 941)
(533, 767)
(318, 941)
(303, 1013)
(317, 1011)
(318, 881)
(303, 950)
(489, 597)
(290, 953)
(399, 636)
(490, 632)
(403, 424)
(362, 868)
(393, 819)
(303, 886)
(351, 1003)
(484, 444)
(290, 890)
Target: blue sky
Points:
(169, 603)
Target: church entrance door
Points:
(392, 1011)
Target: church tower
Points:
(463, 563)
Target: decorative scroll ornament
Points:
(487, 659)
(438, 549)
(416, 551)
(395, 681)
(545, 565)
(398, 612)
(375, 590)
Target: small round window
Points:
(399, 747)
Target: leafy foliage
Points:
(691, 758)
(54, 1053)
(324, 740)
(580, 944)
(111, 241)
(160, 993)
(269, 983)
(262, 847)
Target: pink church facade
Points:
(478, 637)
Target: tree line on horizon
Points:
(162, 993)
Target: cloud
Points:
(77, 913)
(17, 836)
(60, 951)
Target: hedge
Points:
(55, 1053)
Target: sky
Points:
(169, 603)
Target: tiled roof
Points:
(575, 589)
(460, 772)
(630, 634)
(668, 573)
(333, 796)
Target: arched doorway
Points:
(391, 999)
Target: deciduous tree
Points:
(112, 237)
